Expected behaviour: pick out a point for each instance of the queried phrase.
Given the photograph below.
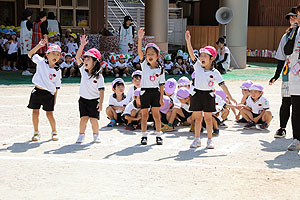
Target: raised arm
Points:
(41, 44)
(141, 34)
(189, 45)
(83, 42)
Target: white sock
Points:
(158, 133)
(144, 134)
(197, 138)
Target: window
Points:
(50, 2)
(82, 17)
(66, 17)
(66, 3)
(7, 16)
(82, 3)
(33, 2)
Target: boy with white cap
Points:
(256, 110)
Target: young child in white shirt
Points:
(132, 112)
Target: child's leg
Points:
(35, 119)
(156, 117)
(215, 123)
(95, 125)
(246, 114)
(82, 125)
(145, 116)
(225, 113)
(14, 64)
(111, 113)
(169, 113)
(51, 119)
(190, 120)
(267, 117)
(175, 112)
(209, 124)
(198, 122)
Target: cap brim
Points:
(290, 14)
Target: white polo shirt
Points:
(220, 103)
(130, 93)
(72, 47)
(168, 66)
(176, 102)
(124, 65)
(205, 79)
(90, 86)
(13, 48)
(114, 102)
(151, 77)
(259, 105)
(65, 65)
(131, 106)
(46, 77)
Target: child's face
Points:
(53, 57)
(71, 39)
(206, 60)
(13, 37)
(136, 80)
(128, 22)
(245, 92)
(138, 101)
(89, 63)
(179, 61)
(184, 101)
(119, 89)
(293, 19)
(68, 59)
(122, 60)
(151, 56)
(168, 61)
(255, 94)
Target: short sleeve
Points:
(266, 104)
(162, 77)
(218, 77)
(101, 82)
(76, 46)
(37, 59)
(127, 110)
(248, 102)
(58, 80)
(280, 51)
(111, 101)
(197, 64)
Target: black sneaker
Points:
(159, 141)
(130, 127)
(144, 141)
(249, 125)
(263, 126)
(242, 120)
(280, 133)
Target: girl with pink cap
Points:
(202, 99)
(91, 89)
(152, 86)
(47, 81)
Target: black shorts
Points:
(150, 97)
(40, 97)
(12, 57)
(88, 107)
(186, 115)
(260, 121)
(164, 118)
(203, 101)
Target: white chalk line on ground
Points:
(134, 162)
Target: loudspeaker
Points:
(224, 15)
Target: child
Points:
(51, 38)
(152, 86)
(47, 81)
(117, 103)
(121, 67)
(136, 80)
(91, 90)
(256, 110)
(56, 39)
(12, 51)
(168, 64)
(67, 66)
(5, 39)
(72, 46)
(112, 61)
(202, 99)
(132, 112)
(246, 93)
(107, 69)
(179, 67)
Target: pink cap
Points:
(183, 93)
(52, 48)
(164, 109)
(256, 86)
(221, 94)
(184, 81)
(246, 85)
(170, 85)
(93, 53)
(154, 46)
(209, 50)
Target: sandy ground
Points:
(246, 164)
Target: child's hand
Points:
(43, 42)
(141, 33)
(234, 101)
(99, 107)
(187, 35)
(83, 40)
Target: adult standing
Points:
(53, 24)
(292, 49)
(223, 56)
(126, 36)
(284, 113)
(40, 31)
(26, 40)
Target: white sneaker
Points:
(124, 75)
(210, 144)
(54, 136)
(294, 146)
(80, 138)
(36, 136)
(8, 68)
(196, 143)
(14, 69)
(117, 75)
(26, 73)
(96, 138)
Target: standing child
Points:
(91, 90)
(202, 99)
(153, 80)
(12, 51)
(47, 81)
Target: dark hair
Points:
(127, 18)
(118, 84)
(41, 15)
(213, 63)
(297, 9)
(97, 69)
(15, 40)
(51, 15)
(26, 13)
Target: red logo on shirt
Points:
(210, 83)
(54, 75)
(152, 78)
(51, 77)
